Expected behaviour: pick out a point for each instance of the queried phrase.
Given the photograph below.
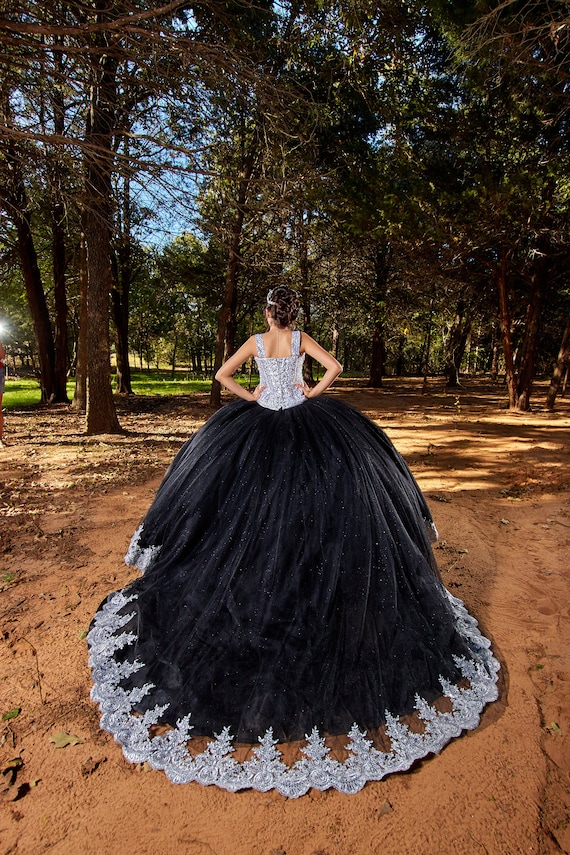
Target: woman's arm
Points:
(332, 366)
(225, 374)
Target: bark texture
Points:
(382, 262)
(101, 413)
(230, 290)
(560, 368)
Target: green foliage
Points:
(433, 136)
(174, 302)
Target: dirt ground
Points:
(499, 488)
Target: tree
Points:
(561, 366)
(14, 195)
(98, 169)
(505, 152)
(163, 59)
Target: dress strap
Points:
(295, 342)
(259, 345)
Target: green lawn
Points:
(21, 393)
(26, 392)
(161, 383)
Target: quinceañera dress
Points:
(289, 607)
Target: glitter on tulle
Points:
(290, 594)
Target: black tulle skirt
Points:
(289, 594)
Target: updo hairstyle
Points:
(283, 305)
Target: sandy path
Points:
(499, 488)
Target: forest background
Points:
(404, 166)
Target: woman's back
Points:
(277, 343)
(282, 374)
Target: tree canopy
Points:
(164, 164)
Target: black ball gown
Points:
(289, 595)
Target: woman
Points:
(289, 596)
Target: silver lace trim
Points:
(140, 556)
(265, 770)
(432, 531)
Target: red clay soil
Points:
(499, 488)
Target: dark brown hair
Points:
(283, 305)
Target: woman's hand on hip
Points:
(257, 392)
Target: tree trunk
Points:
(494, 370)
(80, 394)
(58, 246)
(456, 346)
(427, 351)
(301, 227)
(529, 346)
(60, 297)
(231, 329)
(38, 306)
(505, 323)
(520, 386)
(468, 350)
(15, 198)
(561, 365)
(174, 354)
(101, 413)
(307, 327)
(400, 356)
(123, 277)
(119, 303)
(226, 308)
(378, 357)
(335, 338)
(231, 276)
(382, 260)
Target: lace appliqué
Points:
(139, 556)
(265, 770)
(432, 531)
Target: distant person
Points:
(2, 384)
(290, 595)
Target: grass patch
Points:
(25, 392)
(159, 383)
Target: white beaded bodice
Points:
(280, 375)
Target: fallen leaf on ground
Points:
(12, 714)
(62, 739)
